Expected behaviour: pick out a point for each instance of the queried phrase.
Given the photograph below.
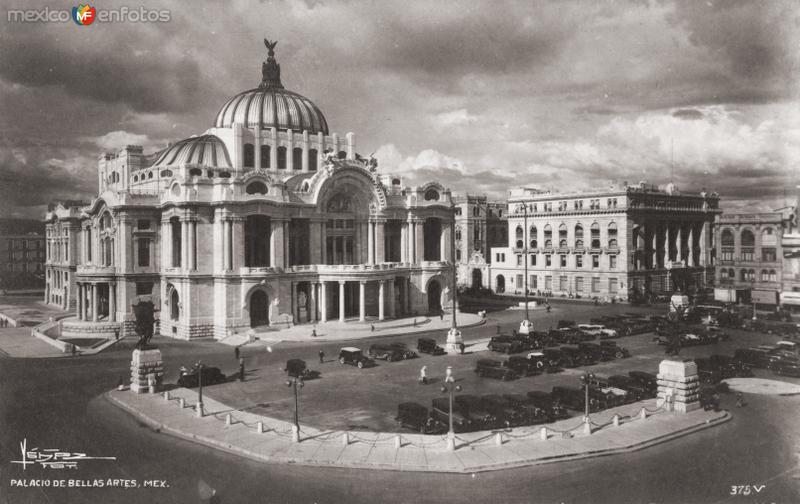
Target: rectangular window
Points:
(142, 224)
(612, 262)
(532, 282)
(768, 255)
(144, 288)
(612, 285)
(533, 259)
(562, 283)
(595, 261)
(143, 251)
(747, 255)
(595, 284)
(519, 260)
(579, 261)
(578, 284)
(519, 281)
(563, 261)
(727, 254)
(548, 282)
(548, 261)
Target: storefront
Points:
(790, 300)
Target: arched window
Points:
(431, 195)
(594, 232)
(731, 273)
(458, 234)
(224, 174)
(150, 174)
(500, 284)
(266, 156)
(768, 237)
(743, 275)
(256, 188)
(342, 154)
(195, 172)
(548, 236)
(562, 235)
(249, 155)
(612, 235)
(748, 238)
(773, 276)
(313, 159)
(297, 158)
(281, 158)
(751, 274)
(578, 235)
(519, 232)
(165, 173)
(136, 178)
(534, 237)
(764, 275)
(174, 305)
(562, 244)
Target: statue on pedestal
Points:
(144, 311)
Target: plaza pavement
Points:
(237, 432)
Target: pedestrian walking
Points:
(441, 315)
(462, 346)
(236, 352)
(321, 357)
(415, 322)
(739, 400)
(372, 327)
(314, 332)
(241, 369)
(423, 375)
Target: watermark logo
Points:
(52, 458)
(83, 15)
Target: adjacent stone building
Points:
(480, 225)
(22, 254)
(619, 243)
(266, 218)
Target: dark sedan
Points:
(191, 378)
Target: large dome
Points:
(205, 150)
(270, 105)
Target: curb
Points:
(160, 427)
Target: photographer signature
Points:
(52, 458)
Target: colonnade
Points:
(387, 306)
(90, 297)
(657, 243)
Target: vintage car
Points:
(406, 352)
(611, 349)
(648, 380)
(555, 357)
(429, 346)
(385, 351)
(574, 398)
(541, 362)
(415, 416)
(598, 330)
(577, 356)
(478, 413)
(190, 378)
(565, 323)
(507, 413)
(787, 368)
(730, 367)
(709, 372)
(522, 365)
(532, 413)
(355, 357)
(634, 388)
(754, 357)
(505, 344)
(595, 351)
(297, 368)
(440, 410)
(495, 369)
(545, 401)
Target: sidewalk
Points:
(269, 440)
(20, 310)
(17, 342)
(336, 331)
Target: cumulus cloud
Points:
(114, 140)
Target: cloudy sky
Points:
(482, 96)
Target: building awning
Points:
(790, 297)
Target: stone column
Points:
(295, 308)
(690, 243)
(286, 251)
(276, 245)
(184, 244)
(314, 242)
(704, 245)
(80, 301)
(324, 242)
(381, 299)
(341, 301)
(305, 152)
(404, 242)
(654, 250)
(314, 297)
(226, 245)
(666, 244)
(94, 303)
(392, 299)
(323, 302)
(419, 242)
(362, 315)
(192, 246)
(407, 296)
(679, 241)
(112, 302)
(380, 242)
(273, 151)
(443, 234)
(371, 243)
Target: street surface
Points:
(55, 403)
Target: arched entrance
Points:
(259, 309)
(434, 297)
(500, 284)
(477, 279)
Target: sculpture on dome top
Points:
(270, 69)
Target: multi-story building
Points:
(749, 258)
(62, 230)
(790, 276)
(480, 225)
(617, 243)
(22, 254)
(265, 218)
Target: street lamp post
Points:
(450, 387)
(586, 378)
(295, 382)
(454, 339)
(199, 366)
(525, 327)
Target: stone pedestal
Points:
(143, 364)
(678, 385)
(526, 327)
(454, 341)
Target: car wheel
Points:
(360, 364)
(341, 360)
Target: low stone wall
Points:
(49, 332)
(84, 329)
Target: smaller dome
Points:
(207, 150)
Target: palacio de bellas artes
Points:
(319, 251)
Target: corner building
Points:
(618, 243)
(265, 219)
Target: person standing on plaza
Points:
(236, 352)
(314, 332)
(462, 346)
(321, 357)
(423, 375)
(241, 369)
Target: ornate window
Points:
(249, 155)
(431, 195)
(256, 188)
